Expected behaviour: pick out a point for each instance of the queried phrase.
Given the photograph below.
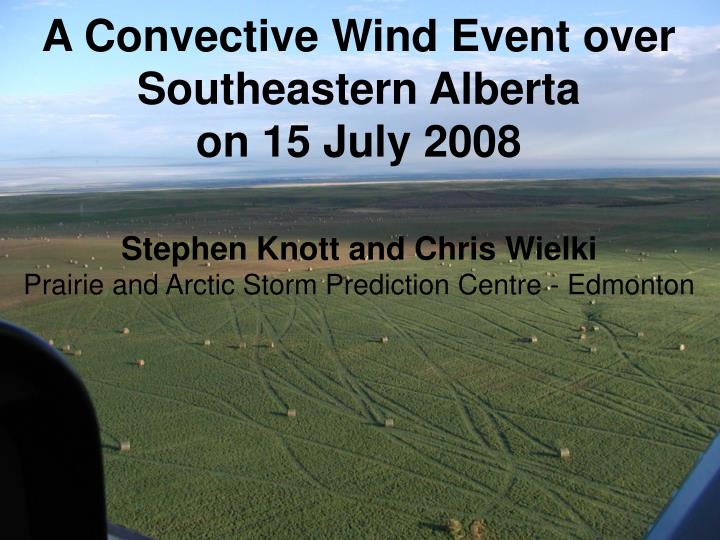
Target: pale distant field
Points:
(479, 413)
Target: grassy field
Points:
(479, 413)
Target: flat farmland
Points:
(479, 412)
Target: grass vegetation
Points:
(479, 414)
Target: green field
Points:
(479, 412)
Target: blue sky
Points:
(71, 117)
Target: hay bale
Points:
(565, 453)
(207, 343)
(140, 362)
(51, 342)
(583, 328)
(454, 527)
(477, 529)
(641, 334)
(384, 339)
(124, 446)
(583, 337)
(291, 413)
(78, 352)
(592, 349)
(596, 328)
(682, 347)
(593, 302)
(533, 339)
(389, 422)
(242, 345)
(125, 331)
(271, 344)
(67, 348)
(310, 269)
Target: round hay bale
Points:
(51, 342)
(565, 453)
(67, 348)
(389, 422)
(592, 349)
(641, 334)
(596, 328)
(272, 345)
(593, 302)
(78, 352)
(207, 343)
(242, 345)
(533, 339)
(140, 362)
(384, 339)
(682, 347)
(124, 446)
(477, 529)
(125, 331)
(454, 527)
(291, 413)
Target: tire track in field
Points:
(460, 406)
(513, 473)
(431, 460)
(462, 410)
(668, 395)
(529, 471)
(344, 375)
(341, 383)
(238, 416)
(233, 366)
(597, 398)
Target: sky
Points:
(74, 118)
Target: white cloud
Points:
(634, 107)
(31, 4)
